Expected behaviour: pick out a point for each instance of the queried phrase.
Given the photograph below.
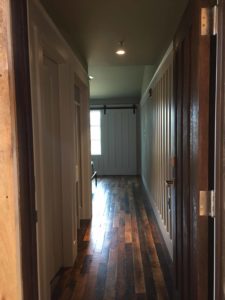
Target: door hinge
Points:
(207, 203)
(209, 20)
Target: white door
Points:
(118, 143)
(51, 164)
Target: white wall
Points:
(119, 143)
(149, 72)
(46, 41)
(158, 145)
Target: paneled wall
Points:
(55, 70)
(158, 145)
(119, 146)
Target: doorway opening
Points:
(176, 147)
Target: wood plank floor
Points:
(121, 254)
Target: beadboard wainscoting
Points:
(158, 145)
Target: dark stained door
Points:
(220, 158)
(195, 94)
(27, 219)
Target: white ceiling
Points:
(94, 29)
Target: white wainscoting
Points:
(158, 146)
(119, 147)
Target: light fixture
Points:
(121, 51)
(90, 77)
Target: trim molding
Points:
(48, 27)
(25, 149)
(160, 67)
(165, 234)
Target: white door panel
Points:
(119, 148)
(52, 166)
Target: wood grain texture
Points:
(121, 254)
(220, 157)
(20, 74)
(9, 199)
(193, 91)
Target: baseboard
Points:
(162, 227)
(55, 281)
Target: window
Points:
(95, 121)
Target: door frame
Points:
(77, 103)
(44, 35)
(27, 210)
(41, 46)
(193, 268)
(185, 247)
(219, 154)
(85, 212)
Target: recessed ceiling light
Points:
(91, 77)
(121, 50)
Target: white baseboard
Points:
(165, 234)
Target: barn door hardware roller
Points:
(207, 204)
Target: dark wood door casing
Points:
(192, 96)
(219, 155)
(25, 149)
(193, 102)
(184, 253)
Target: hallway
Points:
(121, 254)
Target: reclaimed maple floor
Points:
(121, 254)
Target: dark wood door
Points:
(194, 93)
(220, 158)
(27, 212)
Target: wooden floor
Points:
(121, 253)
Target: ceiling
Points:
(94, 29)
(116, 81)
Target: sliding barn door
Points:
(118, 143)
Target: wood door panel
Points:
(185, 77)
(220, 158)
(192, 77)
(15, 29)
